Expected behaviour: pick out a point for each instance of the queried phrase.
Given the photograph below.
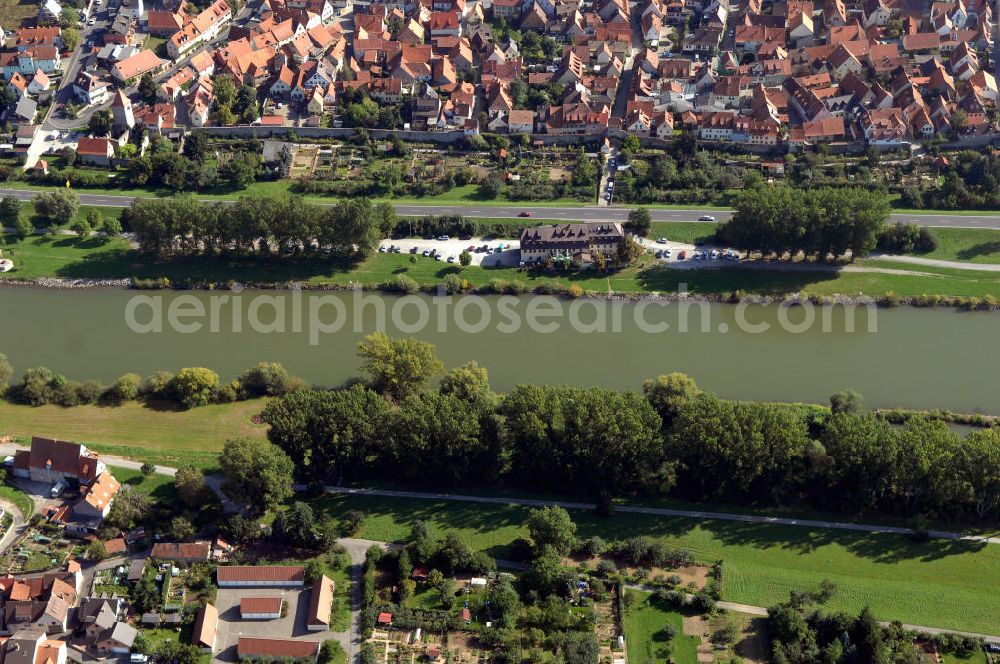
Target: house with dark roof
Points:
(187, 552)
(52, 461)
(570, 240)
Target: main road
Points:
(567, 214)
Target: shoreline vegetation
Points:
(259, 243)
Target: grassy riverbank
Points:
(137, 430)
(894, 575)
(101, 258)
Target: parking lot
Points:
(453, 247)
(292, 625)
(681, 255)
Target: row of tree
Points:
(673, 439)
(183, 225)
(189, 387)
(820, 223)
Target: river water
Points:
(902, 357)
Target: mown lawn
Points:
(892, 574)
(977, 657)
(20, 499)
(968, 245)
(645, 637)
(142, 432)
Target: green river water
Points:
(913, 358)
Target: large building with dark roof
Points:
(570, 240)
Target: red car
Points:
(524, 213)
(681, 256)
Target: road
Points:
(566, 214)
(661, 511)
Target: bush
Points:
(402, 283)
(195, 386)
(452, 284)
(126, 388)
(265, 379)
(158, 386)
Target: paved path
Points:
(582, 213)
(934, 262)
(661, 511)
(356, 549)
(16, 527)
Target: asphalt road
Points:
(588, 213)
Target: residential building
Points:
(570, 241)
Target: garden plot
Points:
(37, 550)
(304, 158)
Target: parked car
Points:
(706, 217)
(451, 259)
(681, 256)
(666, 252)
(443, 238)
(715, 254)
(427, 252)
(661, 240)
(659, 254)
(697, 255)
(413, 250)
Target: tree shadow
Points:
(981, 249)
(122, 263)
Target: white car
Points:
(666, 252)
(715, 254)
(697, 255)
(661, 240)
(451, 259)
(706, 217)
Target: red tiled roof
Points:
(175, 551)
(205, 626)
(260, 605)
(276, 648)
(264, 573)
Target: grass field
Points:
(645, 620)
(968, 245)
(20, 499)
(157, 487)
(977, 657)
(138, 431)
(12, 12)
(894, 575)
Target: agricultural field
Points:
(763, 563)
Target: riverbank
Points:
(68, 262)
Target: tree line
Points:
(286, 226)
(190, 387)
(673, 439)
(819, 223)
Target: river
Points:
(914, 358)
